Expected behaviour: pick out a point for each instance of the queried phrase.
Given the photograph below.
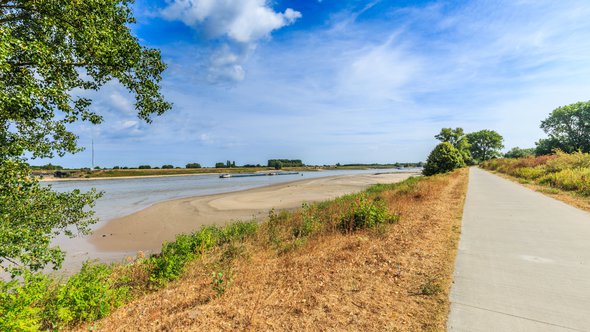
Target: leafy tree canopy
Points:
(568, 128)
(517, 152)
(444, 158)
(50, 52)
(485, 144)
(458, 139)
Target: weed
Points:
(308, 224)
(430, 287)
(366, 214)
(221, 282)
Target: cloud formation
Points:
(240, 24)
(351, 84)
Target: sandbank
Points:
(147, 229)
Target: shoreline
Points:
(147, 229)
(122, 177)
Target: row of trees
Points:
(458, 149)
(279, 163)
(567, 129)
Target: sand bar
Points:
(147, 229)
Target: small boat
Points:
(225, 176)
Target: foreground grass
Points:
(563, 176)
(380, 259)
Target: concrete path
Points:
(523, 262)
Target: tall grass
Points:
(564, 171)
(40, 302)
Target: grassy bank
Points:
(380, 258)
(565, 176)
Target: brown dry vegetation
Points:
(390, 278)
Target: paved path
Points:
(523, 262)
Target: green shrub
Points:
(366, 214)
(86, 296)
(577, 180)
(170, 262)
(239, 230)
(308, 223)
(444, 158)
(529, 173)
(21, 303)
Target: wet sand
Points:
(147, 229)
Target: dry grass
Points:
(390, 278)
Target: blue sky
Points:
(342, 81)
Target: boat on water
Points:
(227, 176)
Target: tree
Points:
(568, 128)
(278, 165)
(547, 146)
(517, 152)
(144, 167)
(220, 165)
(167, 166)
(458, 139)
(485, 144)
(51, 51)
(193, 165)
(444, 158)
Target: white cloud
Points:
(242, 23)
(380, 71)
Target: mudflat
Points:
(149, 228)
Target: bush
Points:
(577, 180)
(20, 304)
(444, 158)
(170, 262)
(87, 296)
(366, 214)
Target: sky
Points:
(341, 81)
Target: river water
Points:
(125, 196)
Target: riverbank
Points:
(300, 271)
(147, 229)
(106, 174)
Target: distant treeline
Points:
(48, 167)
(418, 164)
(278, 163)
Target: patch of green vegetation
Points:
(366, 213)
(562, 171)
(221, 281)
(39, 302)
